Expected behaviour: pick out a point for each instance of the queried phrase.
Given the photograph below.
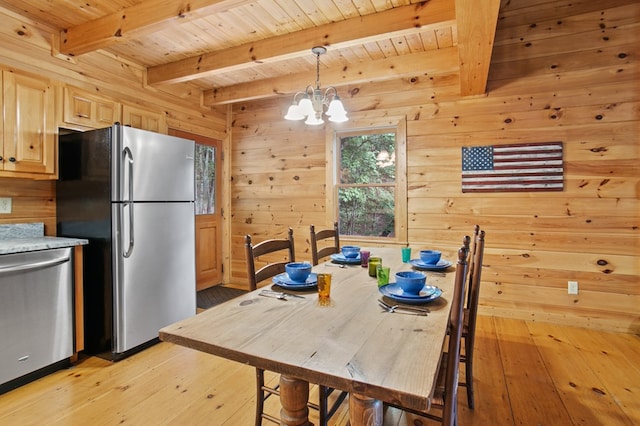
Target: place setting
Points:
(430, 260)
(349, 255)
(410, 288)
(298, 277)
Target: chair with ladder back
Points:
(324, 234)
(270, 270)
(446, 394)
(470, 312)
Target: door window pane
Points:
(205, 169)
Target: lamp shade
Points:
(306, 107)
(338, 118)
(313, 120)
(336, 107)
(294, 113)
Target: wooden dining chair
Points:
(270, 270)
(470, 312)
(255, 276)
(324, 234)
(268, 247)
(446, 394)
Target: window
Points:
(205, 170)
(369, 182)
(366, 184)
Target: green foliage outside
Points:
(366, 189)
(205, 169)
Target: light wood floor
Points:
(527, 373)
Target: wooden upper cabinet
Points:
(143, 119)
(89, 110)
(28, 144)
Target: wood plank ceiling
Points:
(237, 50)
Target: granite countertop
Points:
(23, 237)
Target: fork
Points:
(393, 308)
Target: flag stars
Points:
(477, 158)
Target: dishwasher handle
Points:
(34, 265)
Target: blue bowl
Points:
(410, 281)
(350, 252)
(298, 271)
(430, 257)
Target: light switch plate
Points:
(5, 205)
(572, 287)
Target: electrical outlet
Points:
(572, 287)
(5, 205)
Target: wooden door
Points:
(208, 210)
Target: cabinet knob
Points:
(0, 157)
(12, 159)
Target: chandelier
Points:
(310, 103)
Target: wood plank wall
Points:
(25, 46)
(561, 70)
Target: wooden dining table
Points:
(352, 344)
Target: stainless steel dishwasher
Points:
(36, 314)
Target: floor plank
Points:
(526, 373)
(532, 394)
(615, 360)
(580, 387)
(491, 397)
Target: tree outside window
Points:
(366, 183)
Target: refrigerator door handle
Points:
(128, 157)
(129, 250)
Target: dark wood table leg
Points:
(294, 394)
(364, 411)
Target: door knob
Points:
(12, 159)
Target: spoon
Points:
(336, 265)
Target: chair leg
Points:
(323, 396)
(469, 372)
(259, 396)
(326, 411)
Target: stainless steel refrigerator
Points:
(131, 194)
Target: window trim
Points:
(355, 126)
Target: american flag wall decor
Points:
(513, 168)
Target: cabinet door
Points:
(29, 137)
(143, 119)
(86, 109)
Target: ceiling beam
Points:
(414, 64)
(136, 20)
(383, 25)
(476, 34)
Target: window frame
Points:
(362, 126)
